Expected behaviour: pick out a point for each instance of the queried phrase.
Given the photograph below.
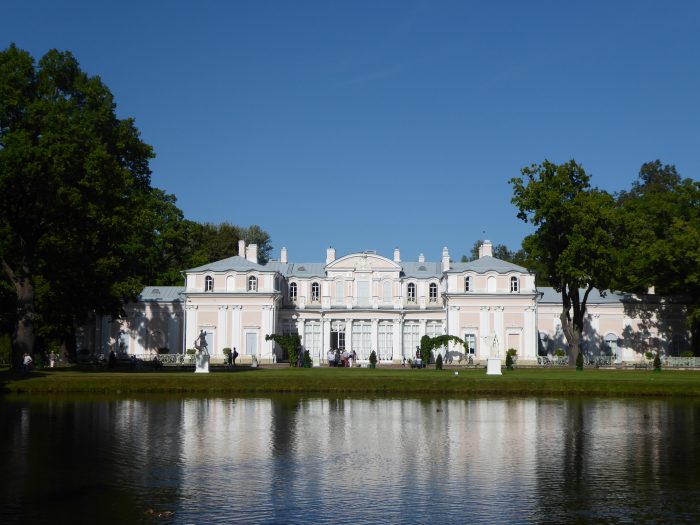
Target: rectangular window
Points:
(339, 292)
(410, 340)
(386, 341)
(362, 338)
(470, 339)
(312, 338)
(363, 293)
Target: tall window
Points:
(293, 292)
(362, 338)
(252, 284)
(386, 293)
(312, 338)
(411, 292)
(385, 346)
(433, 293)
(513, 284)
(433, 328)
(410, 340)
(315, 292)
(208, 283)
(467, 284)
(470, 339)
(339, 291)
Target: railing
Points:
(681, 362)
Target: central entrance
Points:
(337, 335)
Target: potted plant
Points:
(373, 359)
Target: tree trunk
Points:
(24, 335)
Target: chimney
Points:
(445, 259)
(486, 249)
(397, 255)
(421, 258)
(283, 255)
(251, 253)
(241, 248)
(330, 255)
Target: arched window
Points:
(252, 284)
(433, 293)
(293, 292)
(467, 284)
(411, 292)
(315, 292)
(513, 284)
(208, 283)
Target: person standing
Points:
(234, 355)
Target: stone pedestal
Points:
(202, 364)
(493, 366)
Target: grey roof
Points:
(162, 293)
(421, 269)
(487, 264)
(549, 295)
(307, 270)
(232, 263)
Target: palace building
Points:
(365, 302)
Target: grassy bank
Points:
(358, 382)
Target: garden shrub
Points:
(438, 362)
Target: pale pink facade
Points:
(367, 302)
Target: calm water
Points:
(291, 460)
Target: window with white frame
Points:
(386, 293)
(362, 338)
(293, 292)
(433, 292)
(315, 292)
(433, 328)
(410, 339)
(385, 344)
(468, 284)
(339, 291)
(252, 284)
(411, 292)
(514, 284)
(312, 338)
(208, 283)
(470, 340)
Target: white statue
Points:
(493, 362)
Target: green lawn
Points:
(361, 381)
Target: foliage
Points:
(290, 343)
(306, 359)
(226, 351)
(509, 361)
(428, 344)
(559, 352)
(511, 352)
(164, 350)
(687, 353)
(373, 358)
(438, 362)
(649, 355)
(575, 243)
(191, 351)
(579, 361)
(657, 362)
(76, 205)
(662, 227)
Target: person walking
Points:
(234, 355)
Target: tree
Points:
(575, 241)
(662, 225)
(73, 182)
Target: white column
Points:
(421, 328)
(530, 334)
(396, 342)
(374, 345)
(348, 334)
(499, 330)
(190, 325)
(236, 337)
(484, 330)
(326, 336)
(221, 330)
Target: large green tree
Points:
(575, 238)
(662, 227)
(75, 194)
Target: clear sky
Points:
(370, 125)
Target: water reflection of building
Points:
(366, 302)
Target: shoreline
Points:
(358, 382)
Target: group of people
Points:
(344, 359)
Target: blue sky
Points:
(370, 125)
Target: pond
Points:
(296, 460)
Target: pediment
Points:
(363, 262)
